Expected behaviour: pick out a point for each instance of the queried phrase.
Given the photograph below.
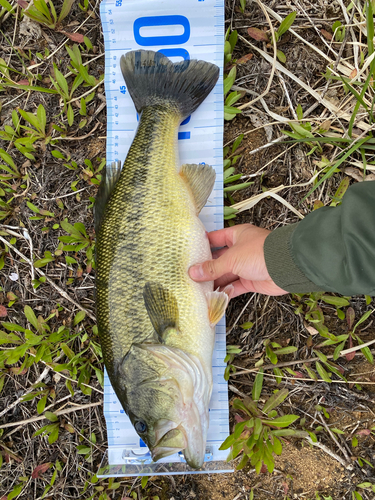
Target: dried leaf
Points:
(285, 488)
(76, 37)
(263, 469)
(258, 34)
(3, 312)
(364, 432)
(353, 74)
(244, 59)
(311, 330)
(23, 82)
(40, 469)
(22, 4)
(318, 204)
(69, 428)
(326, 34)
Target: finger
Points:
(227, 279)
(238, 289)
(218, 253)
(212, 269)
(222, 237)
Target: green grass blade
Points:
(356, 146)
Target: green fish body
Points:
(156, 325)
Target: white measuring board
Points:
(189, 29)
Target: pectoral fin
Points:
(200, 180)
(110, 176)
(217, 303)
(162, 308)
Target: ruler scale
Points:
(193, 29)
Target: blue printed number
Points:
(176, 53)
(118, 3)
(123, 89)
(147, 41)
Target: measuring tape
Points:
(193, 29)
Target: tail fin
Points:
(152, 78)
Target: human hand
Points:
(239, 262)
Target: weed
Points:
(338, 31)
(77, 240)
(41, 343)
(45, 13)
(82, 77)
(261, 35)
(314, 315)
(231, 157)
(229, 110)
(255, 436)
(232, 350)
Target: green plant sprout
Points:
(45, 13)
(256, 436)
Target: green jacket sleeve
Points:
(331, 250)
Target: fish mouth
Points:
(172, 442)
(188, 439)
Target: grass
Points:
(51, 367)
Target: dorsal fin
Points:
(110, 176)
(201, 180)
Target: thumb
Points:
(211, 269)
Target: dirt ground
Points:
(334, 469)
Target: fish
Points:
(156, 325)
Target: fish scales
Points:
(156, 325)
(150, 233)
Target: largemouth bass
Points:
(156, 325)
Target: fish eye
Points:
(140, 427)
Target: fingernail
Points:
(196, 272)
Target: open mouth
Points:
(172, 442)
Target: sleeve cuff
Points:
(280, 264)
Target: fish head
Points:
(166, 395)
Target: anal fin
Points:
(200, 180)
(110, 176)
(162, 308)
(217, 303)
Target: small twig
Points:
(86, 93)
(241, 313)
(52, 283)
(282, 81)
(333, 437)
(18, 400)
(65, 195)
(356, 348)
(281, 365)
(323, 447)
(79, 138)
(265, 92)
(302, 379)
(57, 413)
(324, 102)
